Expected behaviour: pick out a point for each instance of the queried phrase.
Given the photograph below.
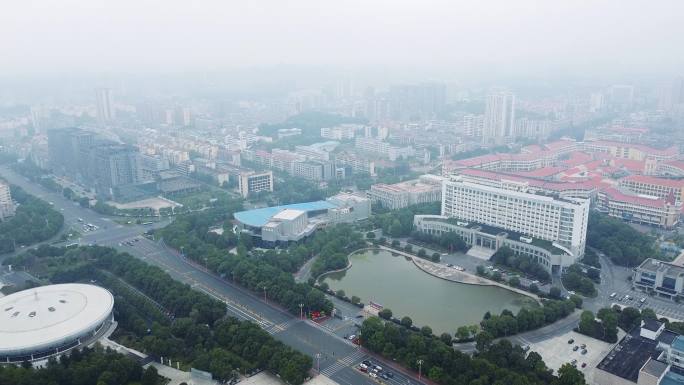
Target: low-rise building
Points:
(647, 210)
(280, 225)
(551, 255)
(647, 355)
(663, 279)
(425, 189)
(654, 186)
(384, 149)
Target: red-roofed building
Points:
(654, 186)
(631, 150)
(639, 209)
(671, 168)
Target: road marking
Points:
(349, 360)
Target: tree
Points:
(385, 313)
(514, 281)
(340, 293)
(480, 270)
(370, 235)
(648, 313)
(150, 376)
(395, 243)
(534, 288)
(435, 257)
(406, 322)
(483, 340)
(569, 375)
(355, 300)
(629, 318)
(462, 333)
(446, 338)
(422, 253)
(577, 300)
(324, 286)
(554, 292)
(426, 330)
(496, 276)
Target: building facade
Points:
(425, 189)
(666, 280)
(7, 206)
(561, 221)
(499, 118)
(254, 182)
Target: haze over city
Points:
(341, 193)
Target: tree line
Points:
(507, 323)
(270, 270)
(493, 363)
(195, 332)
(89, 366)
(35, 221)
(399, 223)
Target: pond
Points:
(396, 283)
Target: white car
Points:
(613, 295)
(373, 374)
(363, 366)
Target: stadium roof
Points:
(42, 317)
(259, 217)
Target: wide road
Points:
(334, 356)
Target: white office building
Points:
(427, 188)
(560, 221)
(499, 118)
(254, 182)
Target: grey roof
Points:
(629, 356)
(652, 325)
(654, 367)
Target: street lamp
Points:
(264, 293)
(318, 362)
(301, 311)
(420, 368)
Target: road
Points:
(332, 354)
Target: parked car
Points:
(584, 364)
(613, 295)
(576, 348)
(571, 341)
(584, 351)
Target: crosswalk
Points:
(277, 328)
(349, 360)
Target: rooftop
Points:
(678, 343)
(652, 325)
(654, 367)
(259, 217)
(645, 179)
(629, 356)
(288, 214)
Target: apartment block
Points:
(254, 182)
(7, 207)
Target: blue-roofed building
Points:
(280, 225)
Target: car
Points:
(571, 292)
(583, 346)
(351, 337)
(622, 297)
(363, 369)
(459, 268)
(384, 376)
(526, 348)
(642, 300)
(376, 371)
(627, 297)
(584, 364)
(613, 295)
(584, 351)
(576, 348)
(571, 341)
(536, 282)
(363, 366)
(389, 374)
(573, 362)
(373, 375)
(377, 367)
(366, 362)
(450, 265)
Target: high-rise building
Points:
(104, 101)
(417, 101)
(7, 207)
(113, 165)
(499, 118)
(68, 151)
(562, 221)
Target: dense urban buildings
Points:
(499, 118)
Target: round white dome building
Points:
(49, 320)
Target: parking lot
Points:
(557, 351)
(662, 307)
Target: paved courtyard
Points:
(556, 351)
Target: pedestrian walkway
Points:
(281, 326)
(482, 253)
(350, 359)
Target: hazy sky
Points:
(515, 37)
